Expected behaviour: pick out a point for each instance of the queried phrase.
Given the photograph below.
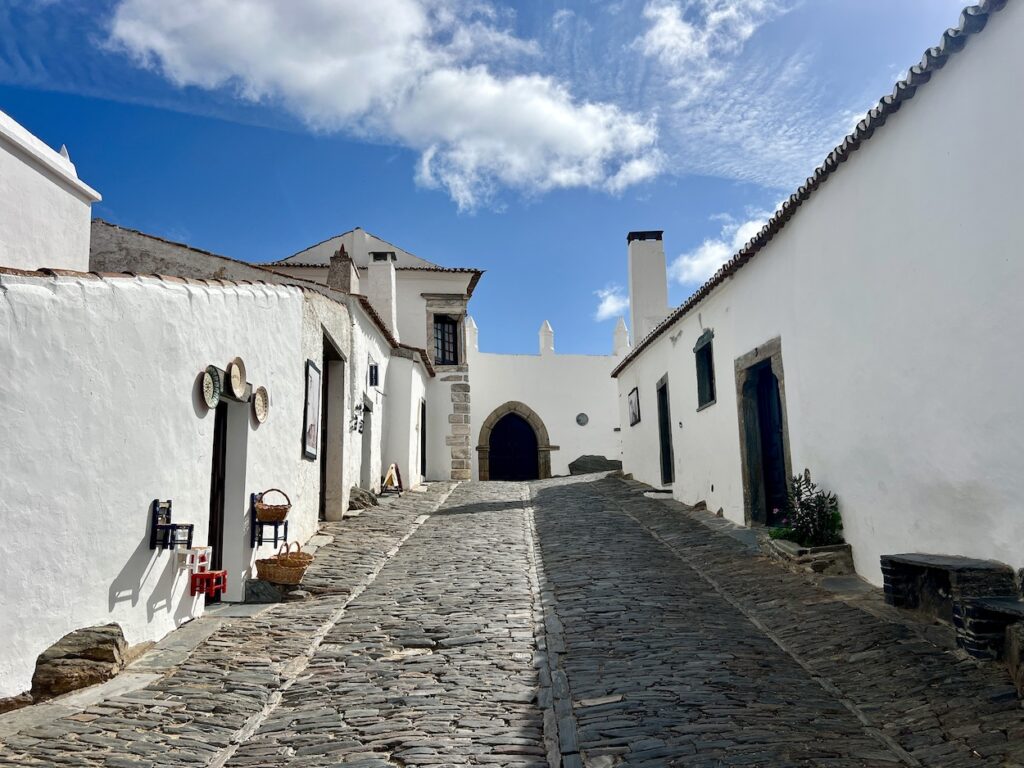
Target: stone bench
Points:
(962, 591)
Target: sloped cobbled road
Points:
(567, 622)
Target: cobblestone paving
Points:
(568, 622)
(680, 649)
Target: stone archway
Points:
(544, 447)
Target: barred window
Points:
(705, 369)
(446, 340)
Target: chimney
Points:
(472, 335)
(382, 288)
(648, 282)
(547, 339)
(342, 275)
(620, 347)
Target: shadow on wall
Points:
(127, 585)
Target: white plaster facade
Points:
(103, 416)
(46, 207)
(895, 292)
(556, 387)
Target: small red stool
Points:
(209, 582)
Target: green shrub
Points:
(814, 517)
(782, 532)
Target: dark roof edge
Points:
(972, 20)
(422, 353)
(377, 320)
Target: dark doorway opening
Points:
(513, 450)
(423, 439)
(332, 433)
(665, 434)
(218, 485)
(765, 444)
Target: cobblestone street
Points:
(565, 622)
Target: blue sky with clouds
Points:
(522, 138)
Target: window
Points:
(705, 369)
(374, 375)
(446, 340)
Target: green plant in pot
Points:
(813, 518)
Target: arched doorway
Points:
(508, 437)
(513, 445)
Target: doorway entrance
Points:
(423, 439)
(764, 436)
(218, 477)
(665, 453)
(513, 453)
(366, 479)
(512, 445)
(332, 433)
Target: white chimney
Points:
(547, 339)
(472, 335)
(382, 288)
(620, 347)
(648, 282)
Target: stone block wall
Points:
(459, 428)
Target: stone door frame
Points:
(544, 447)
(752, 470)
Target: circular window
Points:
(582, 419)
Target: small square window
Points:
(705, 369)
(374, 375)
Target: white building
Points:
(869, 332)
(46, 207)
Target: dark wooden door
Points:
(215, 538)
(665, 436)
(513, 450)
(423, 438)
(773, 458)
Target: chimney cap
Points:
(650, 234)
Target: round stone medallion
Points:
(582, 419)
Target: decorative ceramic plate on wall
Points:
(261, 404)
(211, 387)
(582, 419)
(236, 377)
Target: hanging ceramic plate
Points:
(261, 404)
(211, 387)
(236, 377)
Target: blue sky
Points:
(525, 139)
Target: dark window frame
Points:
(374, 374)
(446, 340)
(704, 360)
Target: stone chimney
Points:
(547, 339)
(648, 282)
(472, 335)
(342, 274)
(620, 346)
(382, 288)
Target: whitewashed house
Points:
(424, 306)
(869, 332)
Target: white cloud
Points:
(702, 262)
(562, 17)
(416, 72)
(613, 303)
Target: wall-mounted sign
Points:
(634, 407)
(261, 404)
(311, 420)
(236, 377)
(211, 387)
(582, 419)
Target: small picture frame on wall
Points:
(311, 414)
(634, 407)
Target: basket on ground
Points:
(272, 513)
(286, 567)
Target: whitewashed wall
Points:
(557, 388)
(895, 290)
(102, 415)
(44, 207)
(368, 344)
(406, 389)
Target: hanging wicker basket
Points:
(272, 513)
(284, 567)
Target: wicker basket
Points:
(272, 513)
(284, 568)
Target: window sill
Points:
(708, 404)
